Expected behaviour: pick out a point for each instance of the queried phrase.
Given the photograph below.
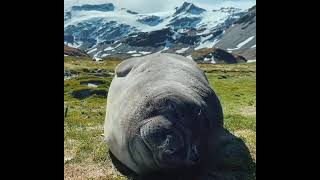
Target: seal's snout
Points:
(171, 149)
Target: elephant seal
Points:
(160, 112)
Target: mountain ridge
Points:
(121, 32)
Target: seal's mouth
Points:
(170, 146)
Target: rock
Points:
(219, 55)
(85, 93)
(94, 7)
(188, 8)
(68, 74)
(153, 39)
(131, 12)
(150, 20)
(74, 52)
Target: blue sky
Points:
(147, 6)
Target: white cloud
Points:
(148, 6)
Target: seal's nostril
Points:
(194, 158)
(194, 154)
(194, 149)
(168, 154)
(170, 151)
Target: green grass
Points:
(237, 92)
(86, 153)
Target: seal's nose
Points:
(172, 150)
(169, 154)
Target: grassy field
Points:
(86, 153)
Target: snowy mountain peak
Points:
(151, 20)
(131, 12)
(189, 8)
(106, 31)
(228, 10)
(94, 7)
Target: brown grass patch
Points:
(70, 146)
(249, 138)
(90, 170)
(248, 111)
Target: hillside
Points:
(240, 38)
(70, 51)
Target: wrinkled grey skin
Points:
(161, 110)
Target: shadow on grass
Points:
(229, 159)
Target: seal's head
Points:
(165, 142)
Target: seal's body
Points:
(160, 112)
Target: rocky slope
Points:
(69, 51)
(240, 38)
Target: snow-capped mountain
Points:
(240, 38)
(105, 30)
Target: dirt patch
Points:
(89, 170)
(70, 149)
(248, 111)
